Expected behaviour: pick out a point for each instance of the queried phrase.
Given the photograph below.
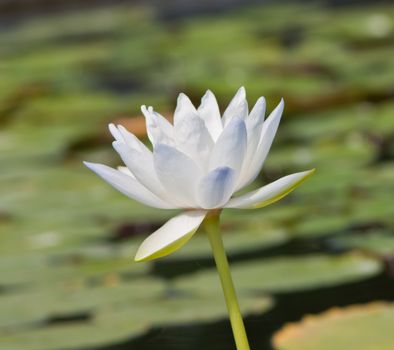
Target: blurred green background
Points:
(67, 239)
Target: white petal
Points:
(193, 138)
(216, 188)
(270, 193)
(238, 107)
(210, 113)
(254, 124)
(184, 109)
(178, 173)
(141, 166)
(268, 132)
(122, 135)
(158, 128)
(229, 150)
(128, 186)
(171, 236)
(115, 132)
(131, 140)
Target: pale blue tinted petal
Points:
(216, 188)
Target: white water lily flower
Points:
(197, 164)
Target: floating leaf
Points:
(288, 274)
(361, 327)
(28, 309)
(380, 243)
(120, 313)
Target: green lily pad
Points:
(27, 309)
(35, 271)
(380, 243)
(361, 327)
(286, 274)
(104, 329)
(119, 313)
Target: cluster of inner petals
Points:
(201, 159)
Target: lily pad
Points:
(28, 309)
(286, 274)
(380, 243)
(35, 271)
(119, 315)
(361, 327)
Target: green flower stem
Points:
(215, 239)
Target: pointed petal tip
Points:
(144, 111)
(241, 92)
(277, 113)
(88, 164)
(183, 101)
(139, 257)
(206, 96)
(309, 173)
(113, 129)
(95, 167)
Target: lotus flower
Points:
(197, 164)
